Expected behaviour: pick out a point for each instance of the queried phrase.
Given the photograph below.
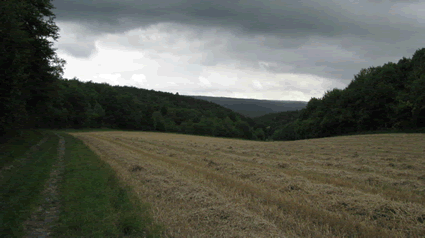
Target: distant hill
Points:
(254, 107)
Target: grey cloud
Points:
(252, 31)
(292, 18)
(79, 50)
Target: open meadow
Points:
(348, 186)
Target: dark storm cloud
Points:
(291, 18)
(374, 29)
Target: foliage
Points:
(92, 105)
(259, 134)
(387, 97)
(29, 65)
(274, 121)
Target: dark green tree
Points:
(29, 65)
(205, 127)
(417, 98)
(259, 134)
(244, 130)
(158, 121)
(229, 128)
(164, 110)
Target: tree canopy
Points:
(29, 65)
(93, 105)
(386, 97)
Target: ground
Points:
(358, 186)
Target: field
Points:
(352, 186)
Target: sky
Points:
(259, 49)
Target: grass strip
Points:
(95, 203)
(22, 184)
(16, 146)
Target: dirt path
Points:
(44, 218)
(210, 187)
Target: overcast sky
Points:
(262, 49)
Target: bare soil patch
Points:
(361, 186)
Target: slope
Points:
(93, 105)
(254, 107)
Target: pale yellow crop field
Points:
(351, 186)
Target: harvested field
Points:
(352, 186)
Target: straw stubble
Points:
(362, 186)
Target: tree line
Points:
(386, 97)
(94, 105)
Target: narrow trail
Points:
(43, 220)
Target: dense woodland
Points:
(29, 65)
(94, 105)
(386, 97)
(274, 121)
(33, 94)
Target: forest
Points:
(388, 97)
(92, 105)
(33, 94)
(272, 122)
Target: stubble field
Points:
(352, 186)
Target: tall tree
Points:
(28, 63)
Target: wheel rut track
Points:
(42, 221)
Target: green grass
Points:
(16, 146)
(95, 204)
(22, 184)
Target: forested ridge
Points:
(33, 94)
(255, 107)
(94, 105)
(385, 97)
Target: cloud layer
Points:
(208, 47)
